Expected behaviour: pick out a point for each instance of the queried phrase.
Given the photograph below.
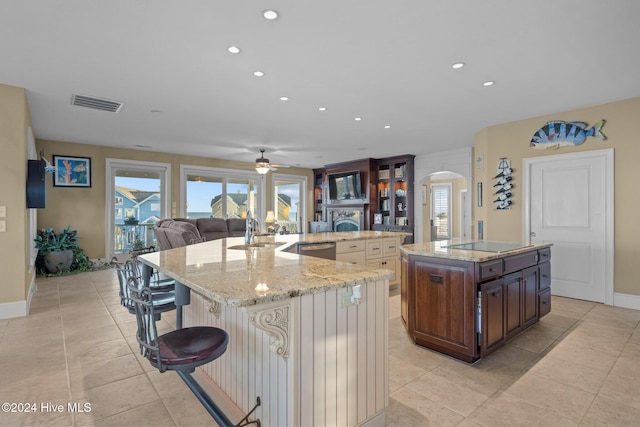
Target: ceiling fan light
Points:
(262, 170)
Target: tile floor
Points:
(579, 366)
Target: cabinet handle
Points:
(436, 278)
(544, 303)
(392, 247)
(353, 246)
(492, 269)
(495, 294)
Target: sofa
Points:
(177, 232)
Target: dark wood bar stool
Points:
(162, 293)
(181, 350)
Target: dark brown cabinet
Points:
(319, 195)
(512, 304)
(395, 191)
(404, 279)
(441, 308)
(530, 280)
(492, 309)
(469, 309)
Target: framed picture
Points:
(72, 171)
(377, 218)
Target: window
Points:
(139, 189)
(219, 193)
(441, 210)
(289, 202)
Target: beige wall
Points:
(511, 140)
(14, 261)
(84, 208)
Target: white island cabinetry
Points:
(298, 338)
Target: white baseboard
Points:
(9, 310)
(626, 301)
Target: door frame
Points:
(608, 155)
(165, 193)
(302, 204)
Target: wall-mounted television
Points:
(345, 186)
(36, 197)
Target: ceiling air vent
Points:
(96, 103)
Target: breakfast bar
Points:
(467, 299)
(308, 336)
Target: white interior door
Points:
(570, 204)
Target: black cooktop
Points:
(488, 246)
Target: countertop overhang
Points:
(245, 277)
(440, 249)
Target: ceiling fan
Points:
(263, 166)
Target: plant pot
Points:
(58, 261)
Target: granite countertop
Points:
(244, 277)
(439, 249)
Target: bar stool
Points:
(163, 293)
(181, 350)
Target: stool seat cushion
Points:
(199, 344)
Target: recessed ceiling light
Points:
(233, 49)
(357, 119)
(387, 126)
(322, 108)
(284, 98)
(489, 83)
(270, 14)
(258, 73)
(457, 65)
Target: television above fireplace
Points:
(345, 186)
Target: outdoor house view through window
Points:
(137, 208)
(220, 197)
(287, 217)
(441, 211)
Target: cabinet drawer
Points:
(374, 248)
(520, 262)
(352, 257)
(391, 246)
(350, 246)
(544, 303)
(545, 276)
(490, 269)
(544, 255)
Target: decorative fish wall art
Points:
(557, 133)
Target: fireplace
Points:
(346, 219)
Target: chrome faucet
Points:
(248, 232)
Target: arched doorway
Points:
(454, 164)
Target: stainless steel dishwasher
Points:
(318, 250)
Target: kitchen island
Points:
(309, 336)
(467, 299)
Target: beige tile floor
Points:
(579, 366)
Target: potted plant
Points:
(131, 220)
(56, 249)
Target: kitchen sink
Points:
(258, 245)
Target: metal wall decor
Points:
(503, 185)
(557, 133)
